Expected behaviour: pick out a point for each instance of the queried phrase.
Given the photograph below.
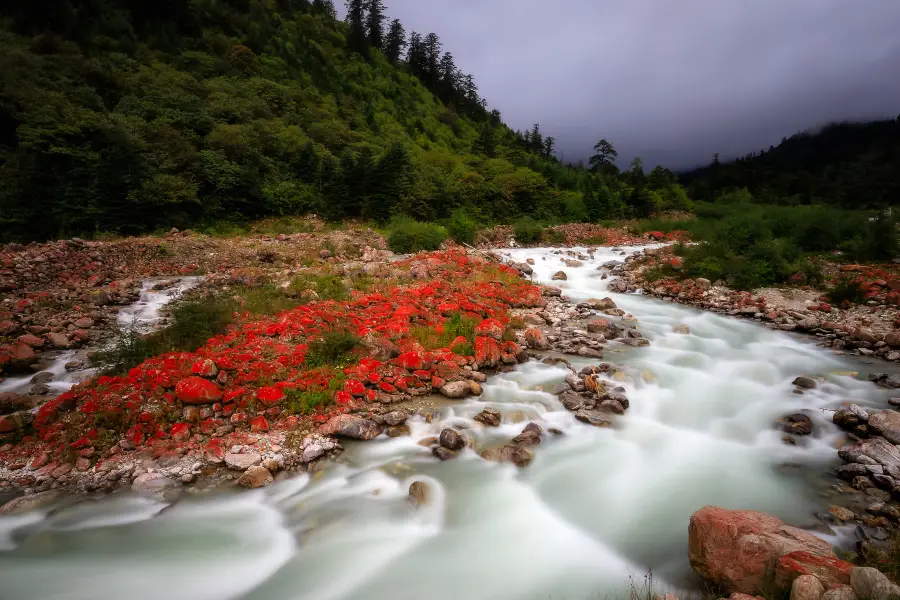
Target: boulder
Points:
(510, 453)
(886, 423)
(829, 570)
(601, 304)
(443, 453)
(451, 440)
(242, 462)
(456, 389)
(394, 418)
(840, 592)
(892, 339)
(803, 382)
(797, 424)
(255, 477)
(683, 329)
(30, 502)
(59, 340)
(739, 549)
(530, 436)
(593, 417)
(571, 400)
(603, 326)
(489, 417)
(872, 584)
(152, 483)
(877, 449)
(807, 587)
(559, 276)
(351, 426)
(536, 339)
(419, 493)
(197, 390)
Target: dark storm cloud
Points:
(673, 81)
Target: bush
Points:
(406, 236)
(847, 290)
(333, 348)
(462, 227)
(528, 231)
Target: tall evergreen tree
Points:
(604, 156)
(324, 7)
(356, 37)
(549, 142)
(395, 42)
(484, 143)
(447, 75)
(536, 140)
(375, 23)
(416, 57)
(432, 59)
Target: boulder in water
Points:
(803, 382)
(351, 426)
(451, 440)
(886, 423)
(511, 453)
(559, 276)
(489, 417)
(601, 304)
(419, 493)
(255, 477)
(530, 436)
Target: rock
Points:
(886, 423)
(611, 406)
(738, 549)
(313, 451)
(681, 329)
(255, 477)
(511, 453)
(806, 383)
(397, 431)
(604, 326)
(601, 304)
(31, 502)
(475, 388)
(351, 426)
(456, 389)
(242, 462)
(571, 400)
(530, 436)
(397, 417)
(877, 449)
(807, 587)
(451, 440)
(535, 338)
(842, 514)
(593, 417)
(892, 339)
(419, 493)
(197, 390)
(489, 417)
(443, 453)
(840, 592)
(59, 340)
(559, 276)
(703, 283)
(797, 424)
(829, 570)
(152, 483)
(636, 342)
(872, 584)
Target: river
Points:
(594, 507)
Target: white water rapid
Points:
(595, 505)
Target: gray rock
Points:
(806, 383)
(530, 436)
(575, 382)
(443, 453)
(456, 389)
(840, 592)
(152, 483)
(517, 455)
(30, 502)
(451, 440)
(242, 462)
(878, 449)
(848, 472)
(559, 276)
(489, 417)
(601, 304)
(887, 423)
(353, 427)
(571, 400)
(636, 342)
(807, 587)
(397, 417)
(593, 417)
(312, 452)
(872, 584)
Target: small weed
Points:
(307, 401)
(333, 348)
(458, 325)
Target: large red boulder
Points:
(740, 549)
(196, 390)
(830, 571)
(487, 352)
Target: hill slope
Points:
(853, 165)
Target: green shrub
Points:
(528, 231)
(303, 402)
(462, 227)
(847, 290)
(406, 236)
(334, 348)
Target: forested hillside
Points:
(126, 116)
(852, 165)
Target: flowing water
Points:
(595, 505)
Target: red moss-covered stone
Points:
(205, 368)
(490, 328)
(259, 424)
(196, 390)
(354, 387)
(412, 361)
(270, 395)
(180, 432)
(831, 571)
(487, 352)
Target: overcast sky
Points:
(673, 81)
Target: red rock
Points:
(215, 454)
(490, 328)
(31, 340)
(180, 432)
(196, 390)
(410, 360)
(535, 338)
(447, 371)
(82, 464)
(738, 549)
(354, 387)
(831, 571)
(205, 368)
(40, 460)
(259, 424)
(60, 471)
(7, 327)
(270, 395)
(487, 352)
(17, 354)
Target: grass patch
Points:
(847, 290)
(307, 401)
(458, 325)
(406, 236)
(334, 348)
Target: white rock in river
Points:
(242, 462)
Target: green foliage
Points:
(847, 290)
(302, 402)
(456, 326)
(462, 226)
(528, 231)
(407, 235)
(334, 348)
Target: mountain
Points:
(852, 165)
(127, 116)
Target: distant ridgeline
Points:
(132, 115)
(851, 165)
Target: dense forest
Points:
(126, 116)
(850, 165)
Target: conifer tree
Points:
(375, 23)
(415, 56)
(356, 38)
(395, 42)
(432, 45)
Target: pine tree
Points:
(549, 142)
(416, 57)
(324, 7)
(375, 23)
(447, 78)
(356, 37)
(432, 59)
(484, 143)
(395, 42)
(536, 140)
